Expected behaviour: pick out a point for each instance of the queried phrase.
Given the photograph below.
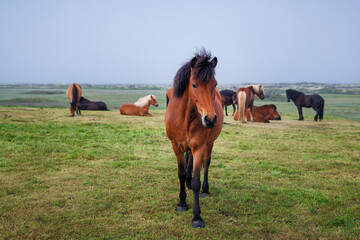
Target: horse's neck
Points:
(146, 106)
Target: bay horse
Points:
(245, 98)
(86, 104)
(74, 92)
(194, 120)
(228, 97)
(301, 100)
(140, 107)
(263, 113)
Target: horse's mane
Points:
(293, 93)
(257, 88)
(142, 102)
(203, 70)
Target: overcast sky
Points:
(114, 41)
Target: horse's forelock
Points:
(203, 69)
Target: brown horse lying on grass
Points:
(74, 93)
(139, 108)
(263, 113)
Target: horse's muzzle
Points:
(209, 123)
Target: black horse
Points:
(228, 97)
(301, 100)
(86, 104)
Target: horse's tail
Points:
(241, 104)
(74, 95)
(321, 113)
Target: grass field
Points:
(106, 176)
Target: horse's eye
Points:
(194, 86)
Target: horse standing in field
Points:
(86, 104)
(228, 97)
(74, 93)
(140, 107)
(263, 113)
(194, 119)
(245, 98)
(301, 100)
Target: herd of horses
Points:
(194, 119)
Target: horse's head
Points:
(260, 91)
(275, 115)
(153, 101)
(202, 84)
(288, 95)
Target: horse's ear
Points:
(193, 61)
(214, 62)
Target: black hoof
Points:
(198, 224)
(204, 195)
(182, 208)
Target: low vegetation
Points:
(104, 175)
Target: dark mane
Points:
(293, 93)
(203, 70)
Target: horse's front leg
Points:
(205, 185)
(197, 221)
(233, 109)
(301, 117)
(182, 206)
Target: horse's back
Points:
(128, 109)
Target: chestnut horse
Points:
(194, 120)
(139, 108)
(263, 113)
(228, 97)
(246, 100)
(74, 93)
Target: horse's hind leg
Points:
(226, 110)
(189, 168)
(301, 117)
(234, 109)
(316, 116)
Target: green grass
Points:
(103, 175)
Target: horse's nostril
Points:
(207, 120)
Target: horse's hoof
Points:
(182, 208)
(71, 116)
(204, 195)
(198, 224)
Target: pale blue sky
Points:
(101, 42)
